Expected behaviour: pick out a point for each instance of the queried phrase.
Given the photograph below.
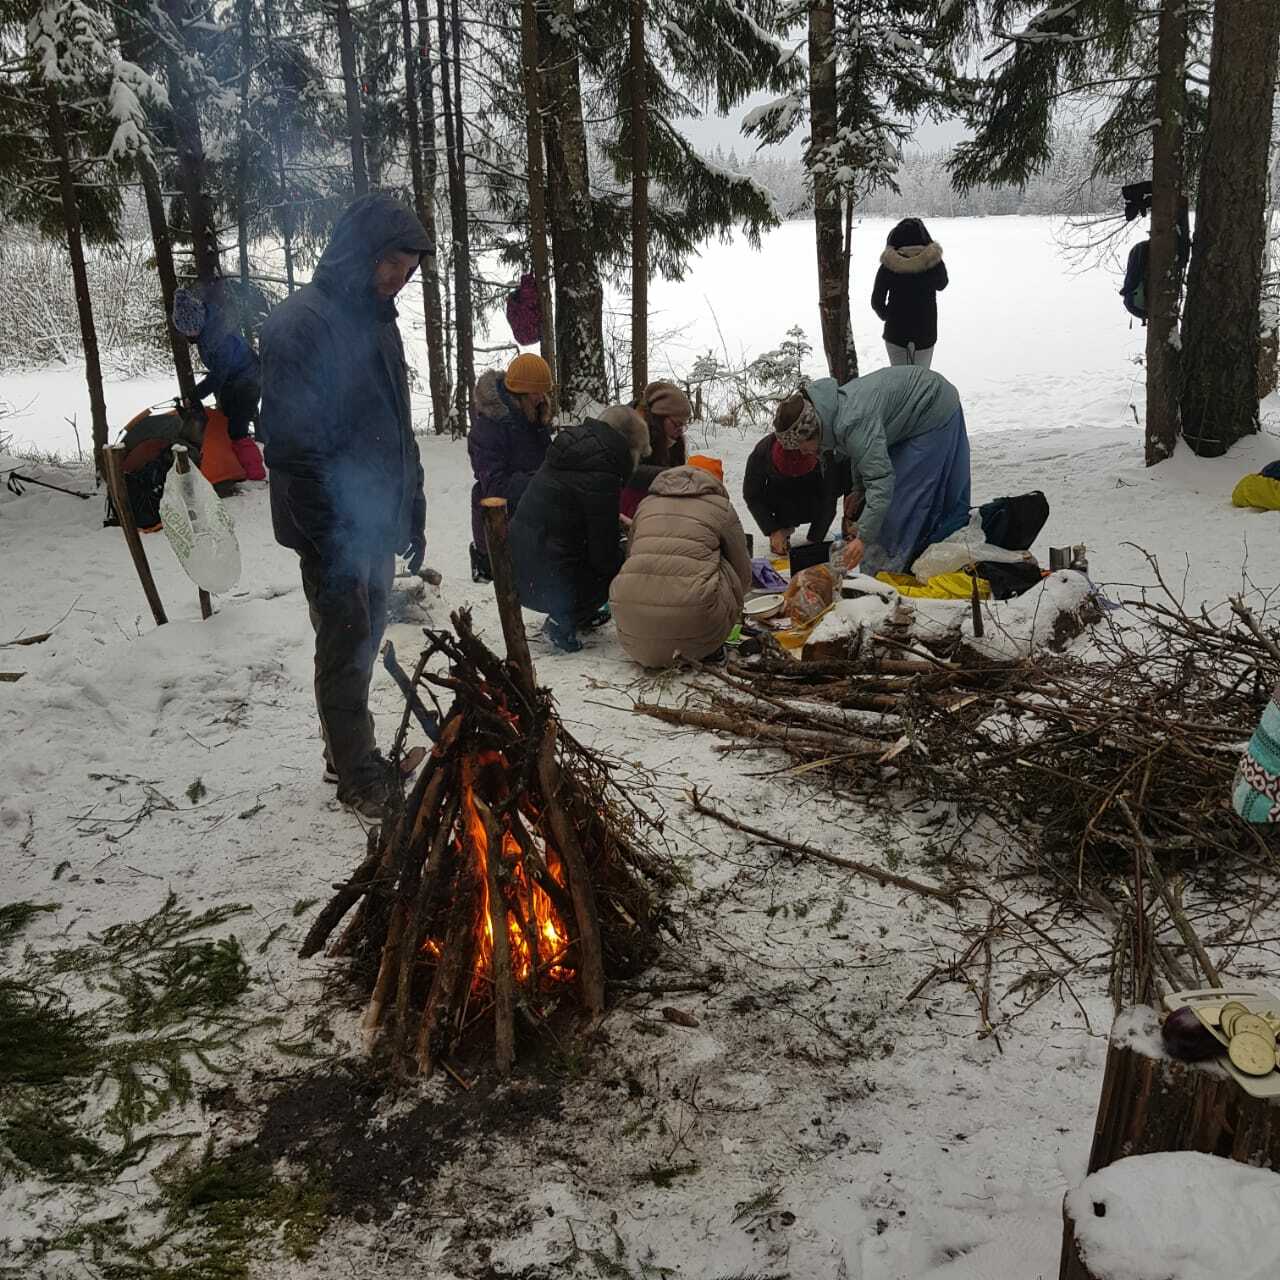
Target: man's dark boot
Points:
(562, 635)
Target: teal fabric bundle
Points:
(1256, 794)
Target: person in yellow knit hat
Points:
(510, 434)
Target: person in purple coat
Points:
(509, 438)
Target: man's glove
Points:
(416, 552)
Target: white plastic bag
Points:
(199, 530)
(965, 546)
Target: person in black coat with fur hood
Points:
(566, 538)
(905, 295)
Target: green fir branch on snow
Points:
(15, 916)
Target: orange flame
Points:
(526, 900)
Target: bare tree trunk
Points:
(168, 274)
(351, 88)
(1164, 266)
(133, 48)
(75, 247)
(833, 285)
(190, 148)
(454, 143)
(639, 204)
(286, 210)
(579, 305)
(242, 158)
(537, 178)
(424, 203)
(1224, 288)
(1269, 347)
(846, 270)
(466, 384)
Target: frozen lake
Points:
(1031, 338)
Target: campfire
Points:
(510, 885)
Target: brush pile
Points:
(1087, 763)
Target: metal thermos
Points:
(1073, 557)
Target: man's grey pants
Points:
(909, 355)
(349, 613)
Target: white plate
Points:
(761, 607)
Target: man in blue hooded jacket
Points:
(346, 477)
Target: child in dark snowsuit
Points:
(232, 374)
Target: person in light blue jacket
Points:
(903, 431)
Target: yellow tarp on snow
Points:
(942, 586)
(1257, 491)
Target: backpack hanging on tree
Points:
(1134, 289)
(524, 312)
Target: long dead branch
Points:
(938, 892)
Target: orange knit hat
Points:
(529, 373)
(705, 463)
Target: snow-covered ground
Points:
(814, 1123)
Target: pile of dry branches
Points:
(1088, 763)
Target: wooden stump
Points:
(1151, 1102)
(1073, 1265)
(1170, 1214)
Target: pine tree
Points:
(874, 67)
(351, 91)
(531, 76)
(1165, 263)
(637, 81)
(1224, 289)
(450, 32)
(1135, 56)
(579, 301)
(70, 93)
(418, 96)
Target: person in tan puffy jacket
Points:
(687, 570)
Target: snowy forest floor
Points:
(210, 1115)
(813, 1124)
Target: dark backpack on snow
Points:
(1014, 523)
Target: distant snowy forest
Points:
(922, 184)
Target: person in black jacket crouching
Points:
(785, 488)
(905, 293)
(565, 537)
(346, 478)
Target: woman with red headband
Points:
(786, 488)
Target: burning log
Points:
(511, 884)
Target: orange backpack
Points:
(149, 439)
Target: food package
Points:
(811, 591)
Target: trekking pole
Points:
(44, 484)
(113, 465)
(182, 465)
